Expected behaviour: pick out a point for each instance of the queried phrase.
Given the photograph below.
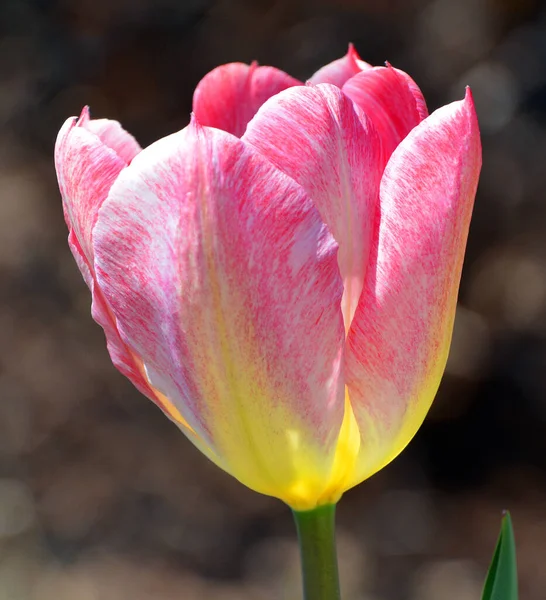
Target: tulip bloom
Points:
(281, 276)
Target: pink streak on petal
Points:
(391, 100)
(420, 102)
(315, 135)
(230, 95)
(340, 70)
(115, 137)
(224, 279)
(400, 335)
(86, 169)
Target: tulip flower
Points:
(281, 276)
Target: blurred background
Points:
(100, 496)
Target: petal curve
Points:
(223, 277)
(339, 71)
(400, 336)
(230, 95)
(391, 99)
(314, 135)
(88, 159)
(114, 137)
(86, 169)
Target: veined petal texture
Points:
(391, 99)
(230, 95)
(315, 135)
(339, 71)
(87, 166)
(400, 335)
(224, 279)
(88, 158)
(281, 276)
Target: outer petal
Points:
(230, 95)
(391, 99)
(223, 277)
(314, 135)
(400, 335)
(86, 169)
(340, 70)
(88, 159)
(420, 102)
(115, 137)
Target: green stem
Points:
(317, 539)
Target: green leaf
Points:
(502, 578)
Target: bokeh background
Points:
(100, 496)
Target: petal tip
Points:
(84, 117)
(468, 104)
(352, 53)
(470, 109)
(354, 57)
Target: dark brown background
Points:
(100, 496)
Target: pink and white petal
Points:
(230, 95)
(314, 135)
(224, 279)
(86, 169)
(126, 361)
(121, 358)
(112, 134)
(340, 70)
(399, 339)
(391, 99)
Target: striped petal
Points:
(114, 137)
(340, 70)
(400, 335)
(391, 99)
(89, 156)
(314, 134)
(230, 95)
(86, 169)
(224, 279)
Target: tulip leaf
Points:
(502, 578)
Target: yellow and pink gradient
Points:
(281, 276)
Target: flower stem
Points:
(317, 540)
